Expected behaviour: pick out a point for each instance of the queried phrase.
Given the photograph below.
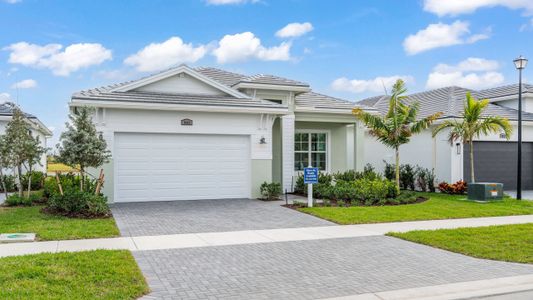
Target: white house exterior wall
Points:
(255, 126)
(42, 166)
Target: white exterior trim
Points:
(288, 125)
(177, 107)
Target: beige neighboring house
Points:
(495, 158)
(37, 129)
(204, 133)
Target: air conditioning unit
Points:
(485, 191)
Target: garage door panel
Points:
(164, 167)
(497, 162)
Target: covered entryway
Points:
(167, 167)
(496, 162)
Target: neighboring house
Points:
(494, 156)
(37, 129)
(204, 133)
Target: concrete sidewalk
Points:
(194, 240)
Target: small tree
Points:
(33, 152)
(81, 146)
(398, 125)
(5, 161)
(473, 125)
(19, 141)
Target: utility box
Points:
(485, 191)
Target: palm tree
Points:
(398, 125)
(473, 125)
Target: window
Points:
(310, 148)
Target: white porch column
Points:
(287, 151)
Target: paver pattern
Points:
(310, 269)
(175, 217)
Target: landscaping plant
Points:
(399, 124)
(407, 177)
(473, 125)
(458, 188)
(271, 191)
(81, 146)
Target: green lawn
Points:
(505, 242)
(439, 206)
(49, 227)
(101, 274)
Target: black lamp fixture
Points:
(262, 141)
(520, 63)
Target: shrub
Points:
(458, 188)
(37, 180)
(68, 181)
(16, 200)
(363, 191)
(407, 177)
(389, 172)
(351, 175)
(431, 181)
(270, 191)
(324, 180)
(79, 204)
(299, 187)
(9, 181)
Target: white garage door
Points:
(166, 167)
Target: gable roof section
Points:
(503, 91)
(271, 79)
(450, 101)
(175, 71)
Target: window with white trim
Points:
(310, 148)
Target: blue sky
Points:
(350, 49)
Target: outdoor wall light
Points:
(262, 141)
(458, 146)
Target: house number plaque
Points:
(186, 122)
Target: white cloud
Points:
(457, 7)
(230, 2)
(441, 35)
(24, 84)
(294, 30)
(157, 56)
(474, 73)
(50, 56)
(376, 85)
(5, 97)
(244, 46)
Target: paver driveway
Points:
(310, 269)
(158, 218)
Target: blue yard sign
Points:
(310, 175)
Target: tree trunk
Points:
(82, 178)
(29, 182)
(3, 181)
(397, 169)
(472, 178)
(19, 178)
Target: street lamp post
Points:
(520, 64)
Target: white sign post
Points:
(310, 178)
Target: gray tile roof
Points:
(6, 109)
(506, 90)
(103, 94)
(271, 79)
(221, 76)
(230, 79)
(370, 101)
(450, 101)
(316, 100)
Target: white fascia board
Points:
(181, 69)
(179, 107)
(342, 111)
(276, 87)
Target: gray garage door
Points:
(496, 162)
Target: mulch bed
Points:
(50, 211)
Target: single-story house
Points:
(204, 133)
(495, 158)
(37, 129)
